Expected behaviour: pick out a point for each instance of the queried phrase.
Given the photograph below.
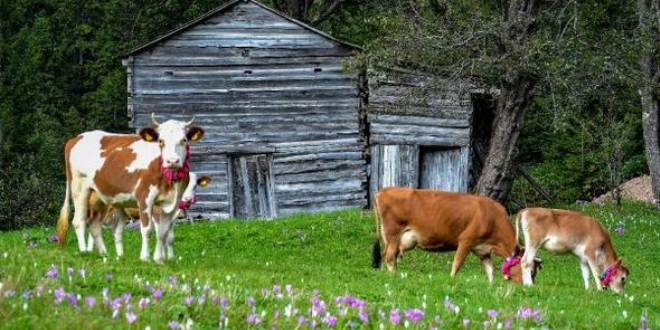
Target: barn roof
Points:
(223, 8)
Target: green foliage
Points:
(277, 271)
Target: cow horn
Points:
(153, 119)
(190, 122)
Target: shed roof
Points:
(221, 9)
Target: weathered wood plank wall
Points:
(260, 85)
(419, 134)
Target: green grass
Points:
(238, 272)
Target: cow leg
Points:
(527, 264)
(118, 231)
(145, 230)
(96, 236)
(487, 262)
(162, 232)
(80, 202)
(170, 242)
(461, 253)
(586, 273)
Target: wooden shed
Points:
(286, 121)
(281, 113)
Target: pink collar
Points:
(186, 205)
(182, 172)
(508, 264)
(607, 275)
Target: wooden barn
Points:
(286, 120)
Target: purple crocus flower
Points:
(395, 318)
(90, 301)
(224, 302)
(415, 315)
(330, 320)
(466, 322)
(188, 300)
(253, 319)
(620, 230)
(143, 302)
(157, 293)
(363, 316)
(60, 294)
(174, 325)
(250, 301)
(492, 313)
(130, 317)
(52, 272)
(73, 299)
(53, 238)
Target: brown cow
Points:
(100, 214)
(562, 231)
(444, 221)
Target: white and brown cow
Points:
(101, 214)
(127, 170)
(444, 221)
(562, 231)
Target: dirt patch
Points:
(638, 189)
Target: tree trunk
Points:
(518, 89)
(499, 167)
(649, 13)
(650, 113)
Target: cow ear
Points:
(203, 181)
(195, 133)
(149, 134)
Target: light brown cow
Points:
(560, 232)
(128, 170)
(444, 221)
(101, 214)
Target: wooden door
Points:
(251, 186)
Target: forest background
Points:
(583, 62)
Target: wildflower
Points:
(143, 302)
(52, 272)
(39, 289)
(289, 290)
(82, 272)
(59, 295)
(130, 317)
(414, 315)
(450, 306)
(492, 313)
(395, 318)
(253, 319)
(69, 271)
(201, 300)
(224, 302)
(620, 230)
(126, 296)
(250, 301)
(172, 279)
(301, 321)
(9, 293)
(466, 322)
(53, 238)
(188, 300)
(330, 320)
(363, 316)
(27, 294)
(90, 301)
(73, 299)
(109, 276)
(157, 294)
(174, 325)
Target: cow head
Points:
(189, 196)
(512, 270)
(174, 137)
(615, 277)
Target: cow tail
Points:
(63, 220)
(517, 224)
(376, 256)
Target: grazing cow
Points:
(444, 221)
(101, 214)
(562, 231)
(126, 171)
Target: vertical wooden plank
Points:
(398, 166)
(252, 189)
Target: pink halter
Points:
(608, 274)
(179, 174)
(508, 264)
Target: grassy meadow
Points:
(313, 271)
